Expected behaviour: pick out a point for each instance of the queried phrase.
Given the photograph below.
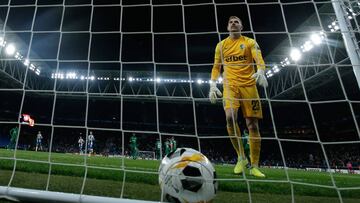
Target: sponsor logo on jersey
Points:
(235, 58)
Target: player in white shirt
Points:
(81, 144)
(91, 140)
(39, 138)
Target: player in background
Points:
(134, 151)
(39, 138)
(349, 167)
(167, 146)
(13, 137)
(81, 142)
(173, 144)
(158, 149)
(91, 140)
(237, 54)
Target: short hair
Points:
(231, 17)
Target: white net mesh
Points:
(119, 68)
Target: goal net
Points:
(92, 76)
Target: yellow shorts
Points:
(245, 97)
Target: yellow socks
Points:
(255, 145)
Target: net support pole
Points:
(21, 194)
(348, 37)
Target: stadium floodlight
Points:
(37, 72)
(316, 39)
(295, 54)
(276, 69)
(92, 78)
(158, 80)
(26, 62)
(220, 79)
(130, 79)
(18, 56)
(269, 74)
(10, 49)
(70, 75)
(308, 45)
(286, 61)
(334, 26)
(199, 81)
(82, 77)
(32, 67)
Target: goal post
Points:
(22, 194)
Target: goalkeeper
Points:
(236, 54)
(134, 151)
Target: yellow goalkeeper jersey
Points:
(237, 57)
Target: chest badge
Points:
(242, 46)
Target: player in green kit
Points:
(158, 149)
(134, 147)
(13, 137)
(167, 146)
(173, 144)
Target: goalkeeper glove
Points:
(260, 78)
(214, 92)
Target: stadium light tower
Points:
(348, 37)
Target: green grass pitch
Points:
(138, 179)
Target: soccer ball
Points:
(187, 175)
